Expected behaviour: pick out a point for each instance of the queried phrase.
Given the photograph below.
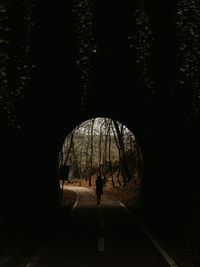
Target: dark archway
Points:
(163, 122)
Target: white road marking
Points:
(78, 190)
(36, 257)
(101, 246)
(156, 244)
(75, 204)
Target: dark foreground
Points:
(100, 236)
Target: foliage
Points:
(142, 40)
(188, 54)
(85, 44)
(14, 62)
(4, 29)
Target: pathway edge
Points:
(165, 255)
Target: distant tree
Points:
(100, 150)
(125, 171)
(120, 170)
(110, 162)
(103, 146)
(91, 152)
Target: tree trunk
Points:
(69, 150)
(91, 152)
(100, 146)
(105, 150)
(110, 162)
(117, 141)
(87, 155)
(80, 159)
(118, 180)
(76, 164)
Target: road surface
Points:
(100, 236)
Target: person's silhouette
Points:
(99, 189)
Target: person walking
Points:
(99, 189)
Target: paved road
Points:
(101, 236)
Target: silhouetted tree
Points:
(91, 152)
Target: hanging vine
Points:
(25, 64)
(12, 94)
(142, 40)
(5, 102)
(86, 47)
(188, 58)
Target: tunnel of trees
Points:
(136, 62)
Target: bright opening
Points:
(103, 147)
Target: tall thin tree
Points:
(91, 150)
